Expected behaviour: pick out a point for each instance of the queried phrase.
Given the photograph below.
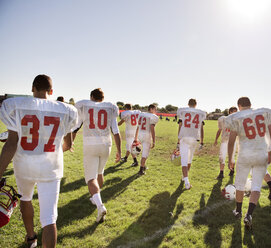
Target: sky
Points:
(140, 51)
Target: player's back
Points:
(97, 119)
(41, 125)
(191, 119)
(251, 127)
(144, 124)
(131, 118)
(225, 132)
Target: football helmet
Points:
(8, 201)
(136, 148)
(176, 157)
(4, 136)
(229, 192)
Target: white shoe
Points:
(188, 185)
(101, 214)
(92, 201)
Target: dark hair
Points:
(232, 109)
(244, 101)
(151, 106)
(128, 106)
(60, 99)
(42, 82)
(192, 102)
(97, 94)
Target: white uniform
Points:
(251, 127)
(41, 125)
(225, 134)
(98, 119)
(130, 117)
(144, 133)
(189, 135)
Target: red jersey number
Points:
(102, 119)
(133, 120)
(250, 129)
(142, 122)
(187, 121)
(34, 131)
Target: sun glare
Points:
(250, 9)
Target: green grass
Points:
(139, 207)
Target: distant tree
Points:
(163, 110)
(226, 112)
(120, 105)
(171, 108)
(217, 110)
(71, 101)
(156, 104)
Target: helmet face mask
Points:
(8, 201)
(136, 148)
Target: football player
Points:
(130, 118)
(98, 119)
(251, 127)
(145, 133)
(225, 132)
(37, 128)
(267, 179)
(191, 121)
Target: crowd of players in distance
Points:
(40, 130)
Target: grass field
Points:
(139, 207)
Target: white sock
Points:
(186, 179)
(97, 199)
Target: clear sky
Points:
(140, 51)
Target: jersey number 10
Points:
(102, 114)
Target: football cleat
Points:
(32, 242)
(134, 164)
(248, 221)
(142, 171)
(231, 173)
(8, 202)
(101, 214)
(220, 176)
(236, 214)
(188, 185)
(124, 159)
(4, 136)
(136, 148)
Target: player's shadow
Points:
(81, 207)
(261, 229)
(215, 214)
(152, 226)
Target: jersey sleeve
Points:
(115, 111)
(154, 119)
(230, 123)
(220, 123)
(8, 114)
(73, 120)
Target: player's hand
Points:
(153, 145)
(118, 156)
(72, 147)
(230, 165)
(201, 145)
(215, 144)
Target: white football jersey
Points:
(131, 118)
(251, 127)
(41, 125)
(191, 122)
(98, 118)
(225, 133)
(144, 124)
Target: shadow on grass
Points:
(152, 226)
(9, 172)
(81, 208)
(216, 217)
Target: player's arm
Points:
(120, 122)
(231, 142)
(217, 136)
(8, 151)
(179, 128)
(153, 135)
(67, 142)
(117, 138)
